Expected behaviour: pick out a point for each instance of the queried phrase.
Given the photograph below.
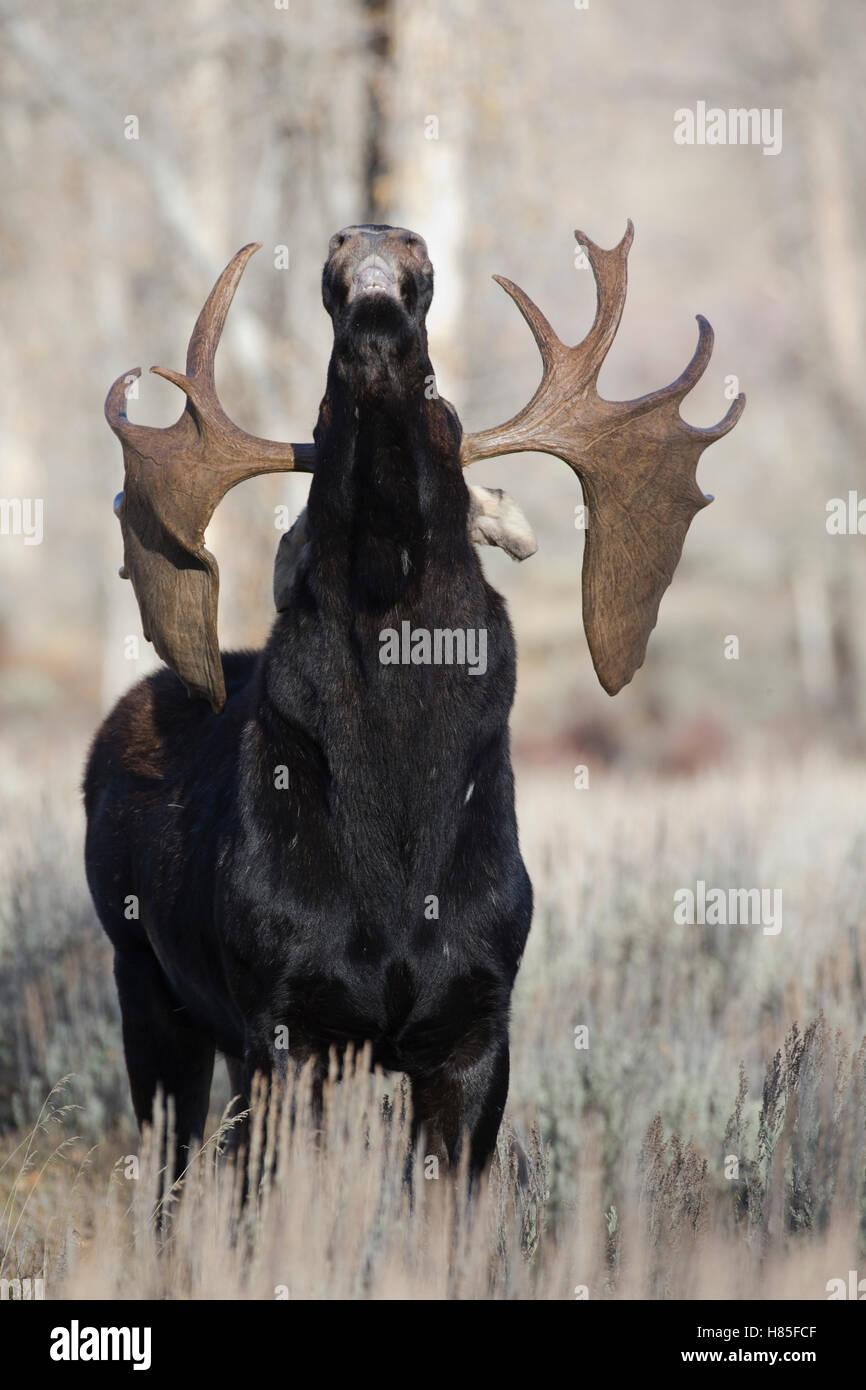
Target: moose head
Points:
(636, 460)
(378, 273)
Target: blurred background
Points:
(142, 145)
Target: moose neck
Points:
(387, 503)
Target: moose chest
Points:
(396, 917)
(414, 1005)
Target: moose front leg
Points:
(273, 1056)
(463, 1098)
(265, 1063)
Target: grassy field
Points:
(688, 1103)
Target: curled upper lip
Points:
(373, 275)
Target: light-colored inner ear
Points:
(496, 519)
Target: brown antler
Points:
(174, 479)
(636, 461)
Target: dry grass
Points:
(706, 1045)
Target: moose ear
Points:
(288, 554)
(496, 519)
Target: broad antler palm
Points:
(174, 479)
(636, 461)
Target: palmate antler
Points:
(636, 461)
(174, 479)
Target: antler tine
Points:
(674, 394)
(115, 408)
(567, 372)
(199, 381)
(692, 375)
(209, 325)
(542, 332)
(174, 479)
(610, 269)
(710, 433)
(636, 461)
(524, 431)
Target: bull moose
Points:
(320, 840)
